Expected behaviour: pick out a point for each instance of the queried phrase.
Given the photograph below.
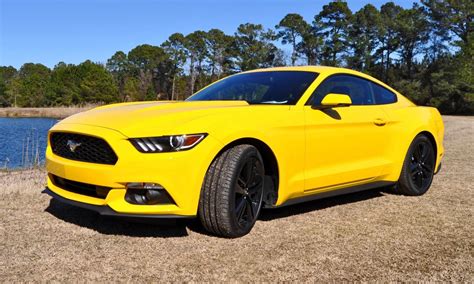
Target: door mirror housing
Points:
(334, 100)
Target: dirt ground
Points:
(365, 236)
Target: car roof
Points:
(318, 69)
(326, 70)
(310, 68)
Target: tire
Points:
(418, 167)
(232, 192)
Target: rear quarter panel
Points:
(405, 123)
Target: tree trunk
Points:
(293, 54)
(173, 87)
(192, 75)
(388, 58)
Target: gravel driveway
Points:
(369, 236)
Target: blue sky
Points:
(72, 31)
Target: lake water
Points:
(23, 141)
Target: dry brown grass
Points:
(366, 236)
(53, 112)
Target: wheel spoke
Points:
(425, 153)
(256, 185)
(255, 206)
(251, 179)
(241, 182)
(239, 189)
(240, 209)
(250, 209)
(416, 154)
(427, 173)
(248, 191)
(419, 152)
(419, 180)
(248, 170)
(426, 168)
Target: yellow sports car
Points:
(264, 138)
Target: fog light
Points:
(143, 185)
(147, 194)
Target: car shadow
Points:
(116, 226)
(169, 228)
(320, 204)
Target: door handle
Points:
(379, 122)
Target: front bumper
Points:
(438, 169)
(180, 173)
(105, 210)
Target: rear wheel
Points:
(232, 192)
(418, 168)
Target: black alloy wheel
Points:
(249, 193)
(422, 165)
(418, 168)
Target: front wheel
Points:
(232, 192)
(418, 168)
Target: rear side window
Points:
(382, 95)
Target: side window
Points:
(383, 96)
(358, 89)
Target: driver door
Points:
(343, 144)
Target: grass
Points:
(367, 236)
(53, 112)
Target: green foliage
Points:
(85, 83)
(96, 84)
(131, 89)
(452, 83)
(253, 47)
(6, 76)
(64, 86)
(174, 47)
(363, 37)
(151, 65)
(425, 52)
(412, 31)
(388, 38)
(455, 16)
(195, 44)
(30, 86)
(292, 30)
(334, 20)
(219, 53)
(119, 66)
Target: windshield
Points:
(273, 87)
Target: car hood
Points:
(139, 118)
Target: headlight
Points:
(167, 143)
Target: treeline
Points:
(425, 52)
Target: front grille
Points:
(82, 148)
(80, 188)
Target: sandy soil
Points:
(366, 236)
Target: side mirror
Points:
(334, 100)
